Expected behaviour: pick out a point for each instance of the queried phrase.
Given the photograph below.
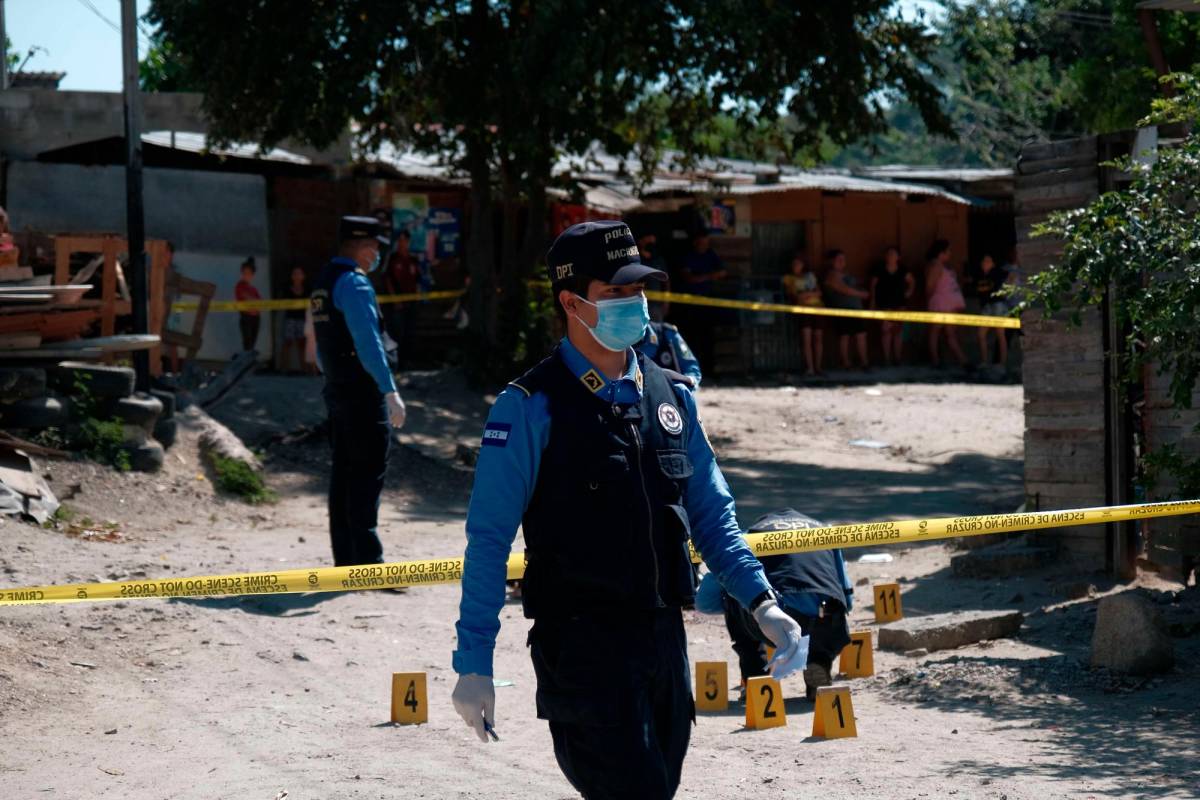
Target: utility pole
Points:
(3, 50)
(134, 207)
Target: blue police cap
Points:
(603, 249)
(362, 228)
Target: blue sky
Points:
(78, 42)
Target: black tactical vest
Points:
(335, 346)
(606, 531)
(816, 572)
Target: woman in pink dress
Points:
(944, 295)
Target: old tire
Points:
(147, 457)
(21, 383)
(165, 431)
(36, 412)
(168, 403)
(101, 380)
(140, 409)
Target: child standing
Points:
(293, 322)
(248, 321)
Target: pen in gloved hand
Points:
(487, 726)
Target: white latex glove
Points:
(395, 409)
(475, 701)
(791, 646)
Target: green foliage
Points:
(1143, 241)
(103, 441)
(162, 70)
(11, 57)
(239, 478)
(97, 439)
(1021, 70)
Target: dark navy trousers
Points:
(616, 690)
(360, 437)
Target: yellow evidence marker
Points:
(409, 705)
(834, 717)
(858, 660)
(712, 686)
(888, 607)
(764, 703)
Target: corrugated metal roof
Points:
(611, 188)
(193, 142)
(832, 182)
(961, 175)
(1170, 5)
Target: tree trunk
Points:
(480, 252)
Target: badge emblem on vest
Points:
(666, 359)
(668, 417)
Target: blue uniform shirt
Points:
(671, 338)
(517, 431)
(354, 296)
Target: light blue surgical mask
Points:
(374, 265)
(620, 323)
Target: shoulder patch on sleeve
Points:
(495, 434)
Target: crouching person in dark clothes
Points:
(598, 455)
(812, 588)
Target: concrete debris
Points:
(215, 438)
(947, 631)
(1130, 636)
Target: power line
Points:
(91, 7)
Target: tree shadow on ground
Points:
(282, 416)
(276, 605)
(1145, 741)
(969, 483)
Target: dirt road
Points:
(251, 697)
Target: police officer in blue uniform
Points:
(360, 392)
(598, 455)
(664, 345)
(813, 589)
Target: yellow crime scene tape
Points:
(302, 304)
(929, 317)
(680, 298)
(449, 570)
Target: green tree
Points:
(1031, 70)
(1143, 241)
(502, 88)
(162, 70)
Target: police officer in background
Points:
(813, 589)
(598, 454)
(664, 345)
(360, 392)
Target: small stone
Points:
(109, 733)
(298, 656)
(301, 539)
(863, 582)
(920, 651)
(955, 731)
(1077, 590)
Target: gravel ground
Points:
(252, 697)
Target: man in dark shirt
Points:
(401, 277)
(701, 270)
